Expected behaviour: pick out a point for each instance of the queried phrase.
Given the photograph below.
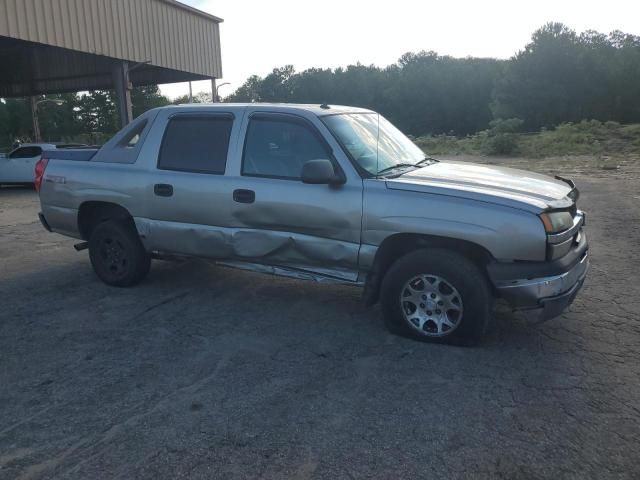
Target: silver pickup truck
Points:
(327, 193)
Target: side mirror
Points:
(320, 172)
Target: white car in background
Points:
(17, 166)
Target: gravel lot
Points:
(207, 372)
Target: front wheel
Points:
(436, 295)
(117, 254)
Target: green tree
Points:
(422, 93)
(97, 112)
(15, 120)
(58, 122)
(200, 97)
(561, 76)
(147, 97)
(248, 92)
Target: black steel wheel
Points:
(117, 254)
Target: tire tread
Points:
(141, 259)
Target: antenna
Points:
(378, 146)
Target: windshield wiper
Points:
(395, 167)
(427, 161)
(424, 161)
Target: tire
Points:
(117, 254)
(431, 278)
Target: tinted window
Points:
(279, 147)
(196, 144)
(26, 152)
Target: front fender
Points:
(507, 233)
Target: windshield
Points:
(373, 142)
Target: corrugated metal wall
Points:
(160, 31)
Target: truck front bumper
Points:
(543, 297)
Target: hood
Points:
(509, 186)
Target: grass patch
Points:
(588, 137)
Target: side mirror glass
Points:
(320, 172)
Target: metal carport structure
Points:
(55, 46)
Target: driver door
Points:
(284, 221)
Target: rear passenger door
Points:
(189, 194)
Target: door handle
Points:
(163, 189)
(244, 196)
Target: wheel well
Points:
(396, 246)
(91, 214)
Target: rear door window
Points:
(196, 143)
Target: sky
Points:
(257, 36)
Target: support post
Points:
(123, 92)
(36, 122)
(214, 92)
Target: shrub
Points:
(502, 139)
(502, 144)
(588, 137)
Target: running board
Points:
(291, 273)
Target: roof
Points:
(70, 45)
(314, 108)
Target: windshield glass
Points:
(373, 142)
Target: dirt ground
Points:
(207, 372)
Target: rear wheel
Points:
(436, 295)
(117, 254)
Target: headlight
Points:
(555, 222)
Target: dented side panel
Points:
(288, 222)
(272, 247)
(322, 223)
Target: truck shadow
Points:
(223, 294)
